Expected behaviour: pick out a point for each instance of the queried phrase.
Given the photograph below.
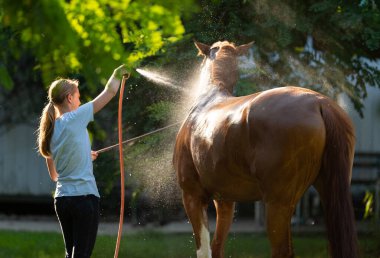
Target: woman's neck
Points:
(62, 110)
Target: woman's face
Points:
(74, 100)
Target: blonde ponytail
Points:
(46, 129)
(58, 91)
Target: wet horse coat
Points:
(270, 146)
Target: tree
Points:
(85, 39)
(329, 45)
(45, 39)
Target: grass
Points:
(158, 245)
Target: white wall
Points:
(22, 170)
(368, 127)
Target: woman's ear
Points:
(203, 48)
(243, 49)
(69, 98)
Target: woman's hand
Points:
(113, 83)
(94, 155)
(120, 71)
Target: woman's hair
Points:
(58, 91)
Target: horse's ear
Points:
(243, 49)
(203, 48)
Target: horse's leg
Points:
(224, 216)
(278, 229)
(196, 210)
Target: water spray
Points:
(155, 77)
(159, 79)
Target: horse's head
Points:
(223, 60)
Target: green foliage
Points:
(368, 203)
(46, 39)
(244, 88)
(90, 37)
(344, 36)
(6, 80)
(42, 27)
(160, 112)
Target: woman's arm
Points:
(102, 99)
(110, 90)
(52, 171)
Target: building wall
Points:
(22, 169)
(367, 129)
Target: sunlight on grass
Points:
(158, 245)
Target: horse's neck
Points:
(224, 86)
(212, 97)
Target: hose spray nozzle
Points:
(126, 75)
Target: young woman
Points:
(63, 140)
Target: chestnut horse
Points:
(270, 146)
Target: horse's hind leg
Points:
(278, 229)
(196, 210)
(224, 216)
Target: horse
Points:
(269, 146)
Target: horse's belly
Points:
(224, 185)
(224, 166)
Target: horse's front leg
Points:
(278, 228)
(224, 216)
(196, 210)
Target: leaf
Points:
(5, 80)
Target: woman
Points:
(63, 140)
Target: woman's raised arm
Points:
(111, 88)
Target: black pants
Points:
(79, 219)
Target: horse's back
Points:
(287, 111)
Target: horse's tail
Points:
(335, 177)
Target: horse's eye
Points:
(213, 52)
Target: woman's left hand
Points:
(94, 155)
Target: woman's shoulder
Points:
(83, 110)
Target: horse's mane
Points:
(223, 43)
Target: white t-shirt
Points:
(71, 150)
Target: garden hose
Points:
(121, 158)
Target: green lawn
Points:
(157, 245)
